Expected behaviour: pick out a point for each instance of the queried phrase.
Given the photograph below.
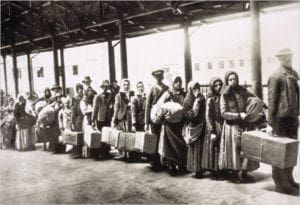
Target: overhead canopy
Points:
(31, 25)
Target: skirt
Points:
(211, 149)
(7, 134)
(230, 150)
(25, 138)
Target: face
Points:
(177, 85)
(196, 92)
(217, 86)
(232, 80)
(159, 78)
(47, 93)
(11, 101)
(22, 100)
(286, 60)
(126, 86)
(80, 91)
(140, 87)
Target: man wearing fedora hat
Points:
(102, 113)
(153, 97)
(283, 110)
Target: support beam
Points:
(123, 52)
(255, 49)
(55, 61)
(5, 73)
(62, 67)
(15, 71)
(111, 60)
(187, 54)
(30, 76)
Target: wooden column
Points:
(62, 67)
(123, 52)
(30, 76)
(15, 71)
(111, 60)
(255, 49)
(5, 73)
(55, 60)
(187, 54)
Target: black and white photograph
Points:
(150, 102)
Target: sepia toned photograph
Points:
(150, 102)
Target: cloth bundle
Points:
(46, 116)
(254, 109)
(170, 111)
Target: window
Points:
(231, 63)
(40, 72)
(166, 69)
(197, 66)
(75, 69)
(221, 64)
(209, 65)
(242, 62)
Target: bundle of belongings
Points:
(46, 116)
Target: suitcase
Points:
(142, 142)
(110, 136)
(280, 152)
(92, 137)
(72, 137)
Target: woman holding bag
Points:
(194, 130)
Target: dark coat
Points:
(77, 116)
(103, 108)
(283, 95)
(138, 109)
(152, 98)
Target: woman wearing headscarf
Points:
(194, 130)
(25, 121)
(86, 106)
(46, 98)
(214, 123)
(233, 110)
(7, 135)
(172, 147)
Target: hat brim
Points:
(284, 54)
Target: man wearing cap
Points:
(283, 110)
(154, 95)
(56, 89)
(87, 84)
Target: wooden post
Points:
(111, 60)
(123, 52)
(55, 61)
(5, 73)
(255, 49)
(62, 67)
(30, 76)
(15, 71)
(187, 54)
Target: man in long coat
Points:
(283, 104)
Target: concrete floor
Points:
(37, 177)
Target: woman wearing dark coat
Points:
(233, 110)
(194, 130)
(214, 123)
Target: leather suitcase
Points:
(280, 152)
(110, 136)
(72, 137)
(92, 137)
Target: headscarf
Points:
(49, 92)
(233, 89)
(228, 73)
(211, 91)
(78, 86)
(26, 105)
(190, 98)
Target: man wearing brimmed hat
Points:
(283, 110)
(154, 95)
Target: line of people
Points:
(196, 133)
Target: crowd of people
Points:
(196, 133)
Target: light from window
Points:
(197, 66)
(231, 63)
(19, 73)
(209, 65)
(221, 64)
(242, 62)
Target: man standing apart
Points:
(283, 103)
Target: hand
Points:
(269, 129)
(146, 128)
(93, 124)
(133, 129)
(213, 137)
(243, 115)
(73, 127)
